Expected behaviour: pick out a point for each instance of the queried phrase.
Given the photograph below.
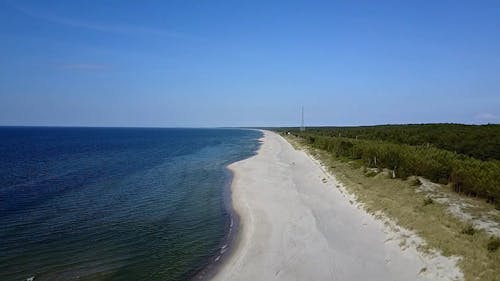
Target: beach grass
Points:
(398, 200)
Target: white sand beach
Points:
(297, 224)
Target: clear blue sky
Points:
(248, 63)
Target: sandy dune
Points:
(297, 225)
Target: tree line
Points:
(467, 175)
(477, 141)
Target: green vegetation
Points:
(481, 142)
(493, 244)
(467, 175)
(468, 229)
(431, 220)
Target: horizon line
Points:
(237, 127)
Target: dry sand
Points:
(297, 224)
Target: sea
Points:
(115, 203)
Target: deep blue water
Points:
(114, 203)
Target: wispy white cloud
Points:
(96, 26)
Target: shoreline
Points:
(224, 250)
(231, 237)
(292, 227)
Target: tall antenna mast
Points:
(302, 128)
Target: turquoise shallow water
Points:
(114, 204)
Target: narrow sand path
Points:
(297, 225)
